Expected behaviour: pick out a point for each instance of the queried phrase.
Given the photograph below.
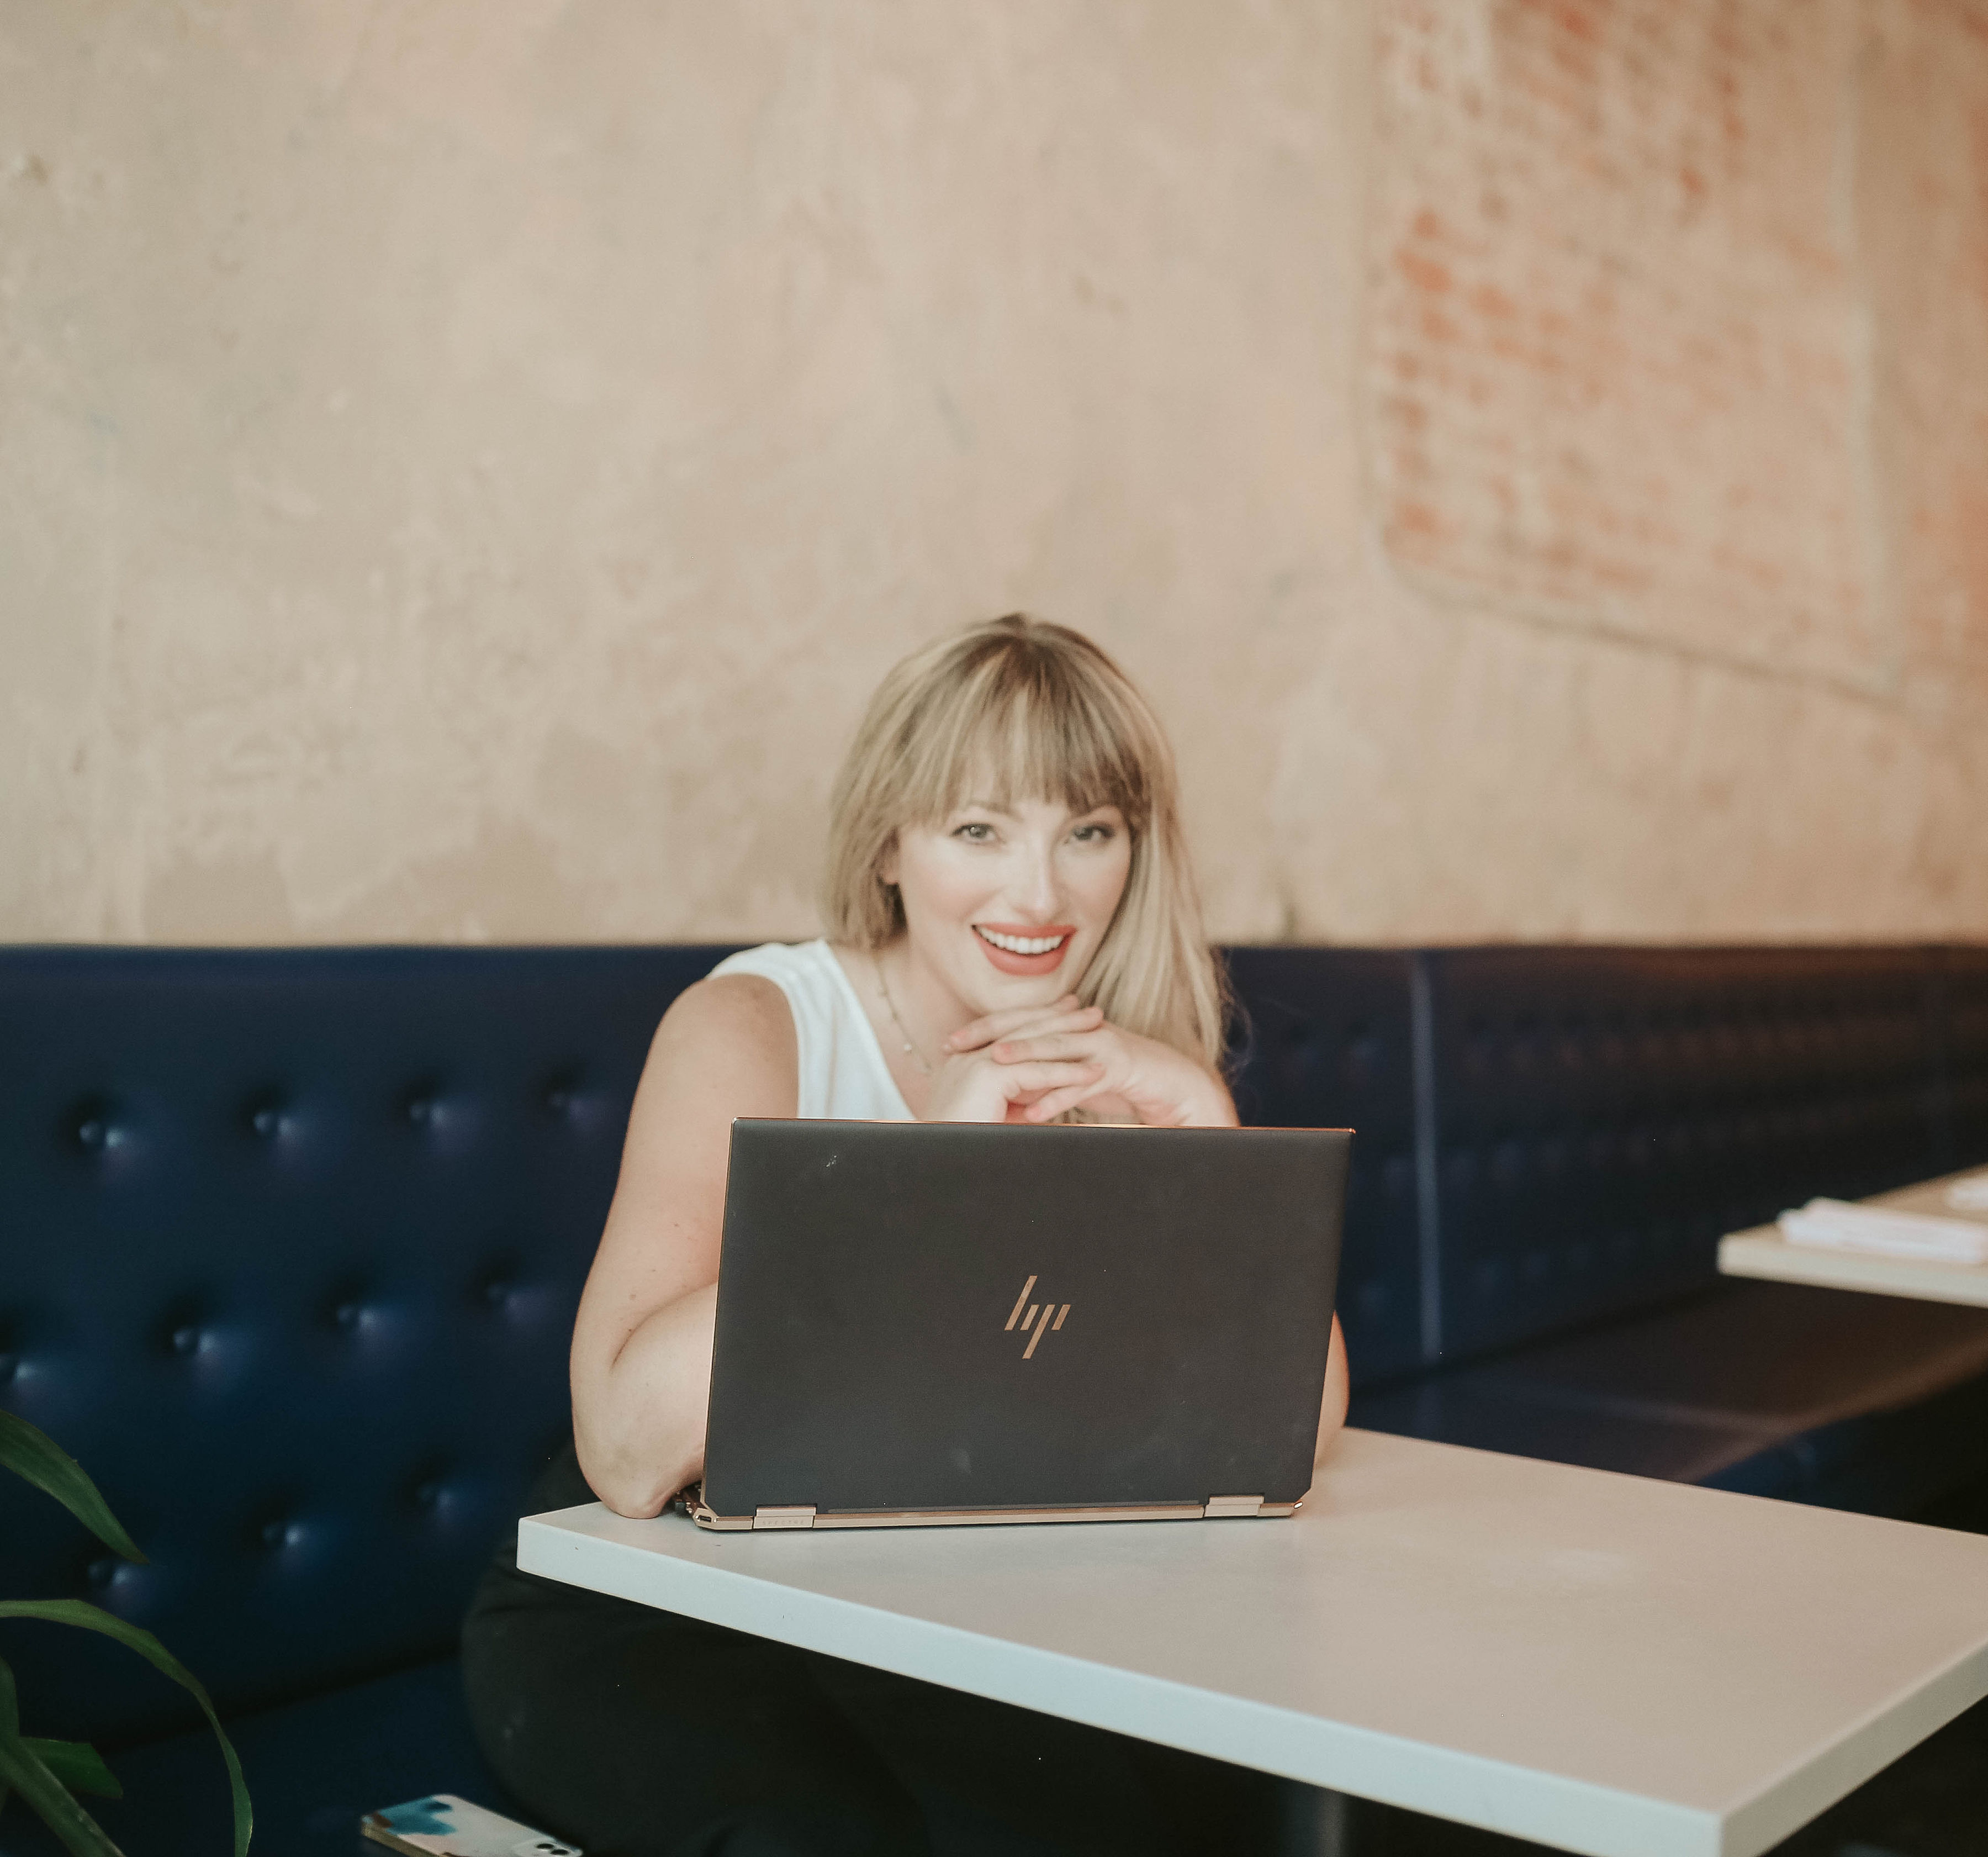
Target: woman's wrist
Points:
(1198, 1099)
(1214, 1108)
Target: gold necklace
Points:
(891, 1006)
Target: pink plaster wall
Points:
(463, 465)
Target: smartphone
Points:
(442, 1826)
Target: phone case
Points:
(442, 1826)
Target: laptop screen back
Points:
(916, 1315)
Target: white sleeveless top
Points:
(842, 1072)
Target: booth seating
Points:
(291, 1241)
(1568, 1131)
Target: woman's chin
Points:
(999, 993)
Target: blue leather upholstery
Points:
(1867, 1402)
(1602, 1115)
(1325, 1040)
(290, 1243)
(313, 1769)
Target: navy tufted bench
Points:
(1591, 1121)
(290, 1243)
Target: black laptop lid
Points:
(937, 1316)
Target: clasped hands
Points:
(1034, 1063)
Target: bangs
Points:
(1028, 724)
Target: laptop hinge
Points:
(1217, 1507)
(792, 1515)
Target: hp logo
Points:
(1037, 1322)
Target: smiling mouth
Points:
(1024, 944)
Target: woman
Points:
(1013, 936)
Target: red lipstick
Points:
(1013, 960)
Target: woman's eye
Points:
(974, 833)
(1092, 834)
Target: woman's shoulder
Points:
(738, 1018)
(783, 962)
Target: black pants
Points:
(634, 1732)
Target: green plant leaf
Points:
(77, 1764)
(86, 1617)
(24, 1773)
(53, 1801)
(33, 1454)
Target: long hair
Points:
(1017, 708)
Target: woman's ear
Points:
(887, 864)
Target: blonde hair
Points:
(1040, 713)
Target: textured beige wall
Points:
(463, 464)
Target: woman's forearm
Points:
(639, 1420)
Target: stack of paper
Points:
(1969, 1194)
(1840, 1225)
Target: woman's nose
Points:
(1038, 891)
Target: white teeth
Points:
(1023, 944)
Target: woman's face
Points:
(1006, 906)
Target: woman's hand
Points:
(972, 1085)
(1047, 1062)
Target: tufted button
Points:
(102, 1571)
(497, 1291)
(265, 1115)
(186, 1339)
(278, 1534)
(561, 1094)
(94, 1128)
(347, 1314)
(427, 1491)
(421, 1109)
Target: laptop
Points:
(922, 1324)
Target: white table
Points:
(1763, 1251)
(1609, 1664)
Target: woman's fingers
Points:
(1022, 1080)
(983, 1030)
(1087, 1019)
(1075, 1043)
(1047, 1107)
